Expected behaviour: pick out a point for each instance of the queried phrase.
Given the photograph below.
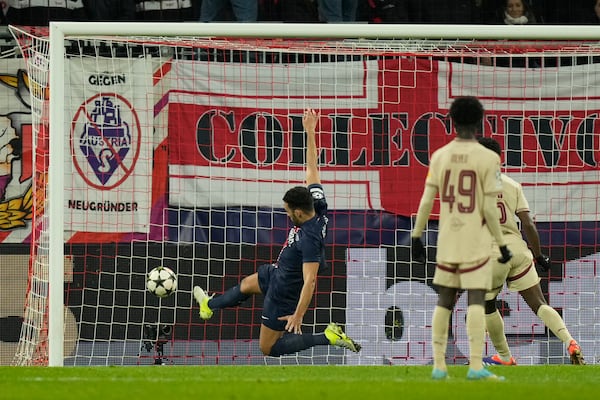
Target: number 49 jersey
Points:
(463, 172)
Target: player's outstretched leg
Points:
(483, 375)
(337, 337)
(497, 360)
(202, 299)
(575, 353)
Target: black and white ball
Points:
(161, 282)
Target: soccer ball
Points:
(161, 281)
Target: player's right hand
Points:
(506, 255)
(310, 119)
(544, 262)
(294, 323)
(418, 250)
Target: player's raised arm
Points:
(309, 122)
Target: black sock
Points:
(231, 298)
(291, 343)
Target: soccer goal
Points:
(172, 145)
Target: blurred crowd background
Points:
(40, 12)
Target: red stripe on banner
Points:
(161, 72)
(263, 97)
(570, 183)
(4, 235)
(160, 171)
(27, 152)
(96, 237)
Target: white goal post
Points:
(379, 40)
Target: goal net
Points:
(175, 149)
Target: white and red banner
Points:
(235, 131)
(108, 176)
(235, 137)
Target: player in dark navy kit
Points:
(288, 285)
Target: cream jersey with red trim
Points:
(510, 202)
(463, 172)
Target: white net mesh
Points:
(180, 148)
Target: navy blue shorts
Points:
(272, 309)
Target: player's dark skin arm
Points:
(531, 233)
(532, 296)
(533, 238)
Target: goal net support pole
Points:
(56, 199)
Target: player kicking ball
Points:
(289, 283)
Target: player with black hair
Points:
(288, 284)
(467, 178)
(519, 273)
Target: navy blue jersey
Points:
(305, 243)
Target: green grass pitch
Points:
(294, 382)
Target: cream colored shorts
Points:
(471, 275)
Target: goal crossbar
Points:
(333, 31)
